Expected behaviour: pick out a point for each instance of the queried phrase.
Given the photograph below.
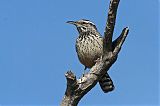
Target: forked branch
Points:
(77, 88)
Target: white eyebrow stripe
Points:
(87, 21)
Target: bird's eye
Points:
(83, 28)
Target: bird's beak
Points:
(71, 22)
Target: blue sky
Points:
(37, 47)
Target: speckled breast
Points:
(88, 49)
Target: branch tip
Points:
(126, 30)
(70, 75)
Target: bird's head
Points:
(83, 25)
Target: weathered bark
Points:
(77, 88)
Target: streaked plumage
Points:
(89, 47)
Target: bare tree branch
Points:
(108, 33)
(83, 85)
(77, 88)
(117, 44)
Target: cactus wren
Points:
(89, 47)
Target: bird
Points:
(89, 47)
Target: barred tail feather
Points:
(106, 83)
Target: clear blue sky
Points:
(37, 47)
